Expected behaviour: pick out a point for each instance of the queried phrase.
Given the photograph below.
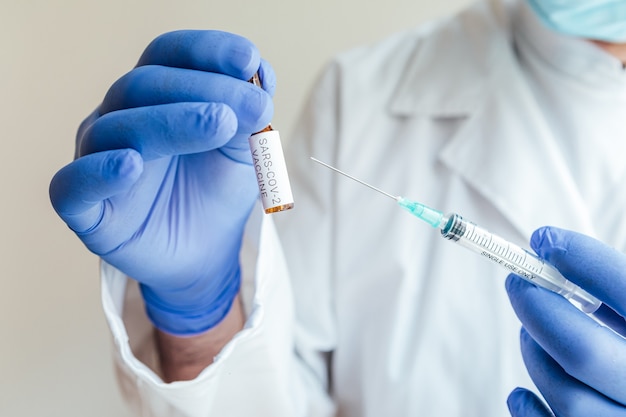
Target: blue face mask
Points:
(603, 20)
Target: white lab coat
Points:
(373, 313)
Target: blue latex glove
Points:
(578, 365)
(163, 183)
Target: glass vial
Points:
(270, 167)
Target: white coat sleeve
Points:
(256, 374)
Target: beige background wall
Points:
(57, 60)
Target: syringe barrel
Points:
(517, 260)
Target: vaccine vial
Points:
(270, 167)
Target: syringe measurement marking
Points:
(488, 242)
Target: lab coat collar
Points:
(487, 91)
(441, 54)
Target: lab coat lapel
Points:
(503, 148)
(505, 151)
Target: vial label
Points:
(271, 171)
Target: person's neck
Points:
(618, 50)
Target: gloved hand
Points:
(163, 183)
(578, 366)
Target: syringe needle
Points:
(431, 216)
(355, 179)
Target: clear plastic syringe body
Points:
(516, 259)
(502, 252)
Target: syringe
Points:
(504, 253)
